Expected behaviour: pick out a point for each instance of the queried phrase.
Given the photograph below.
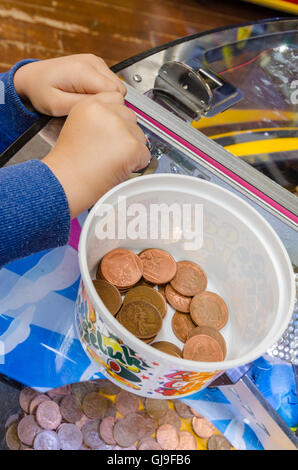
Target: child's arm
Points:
(15, 117)
(99, 145)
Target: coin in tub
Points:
(149, 340)
(167, 437)
(167, 347)
(122, 268)
(190, 279)
(140, 318)
(159, 267)
(209, 309)
(147, 294)
(182, 324)
(207, 330)
(202, 427)
(202, 348)
(177, 301)
(218, 442)
(109, 294)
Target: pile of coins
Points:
(199, 314)
(98, 415)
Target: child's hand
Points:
(54, 86)
(99, 146)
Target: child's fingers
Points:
(102, 67)
(89, 80)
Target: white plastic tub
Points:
(244, 260)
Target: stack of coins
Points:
(98, 415)
(149, 282)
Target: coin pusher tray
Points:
(196, 96)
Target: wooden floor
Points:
(112, 29)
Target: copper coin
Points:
(140, 318)
(149, 340)
(168, 348)
(126, 403)
(202, 427)
(183, 410)
(167, 437)
(190, 279)
(171, 417)
(94, 405)
(46, 440)
(218, 442)
(209, 309)
(70, 409)
(161, 289)
(156, 408)
(105, 430)
(147, 294)
(186, 441)
(202, 348)
(122, 268)
(70, 437)
(90, 434)
(83, 420)
(177, 301)
(159, 267)
(109, 295)
(143, 282)
(28, 429)
(63, 390)
(36, 401)
(26, 395)
(149, 443)
(79, 391)
(128, 430)
(111, 408)
(108, 387)
(15, 418)
(182, 324)
(12, 439)
(149, 424)
(207, 330)
(48, 415)
(99, 273)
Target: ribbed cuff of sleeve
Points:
(34, 211)
(15, 117)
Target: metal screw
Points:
(137, 78)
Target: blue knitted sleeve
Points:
(15, 118)
(34, 213)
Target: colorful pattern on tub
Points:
(39, 346)
(125, 365)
